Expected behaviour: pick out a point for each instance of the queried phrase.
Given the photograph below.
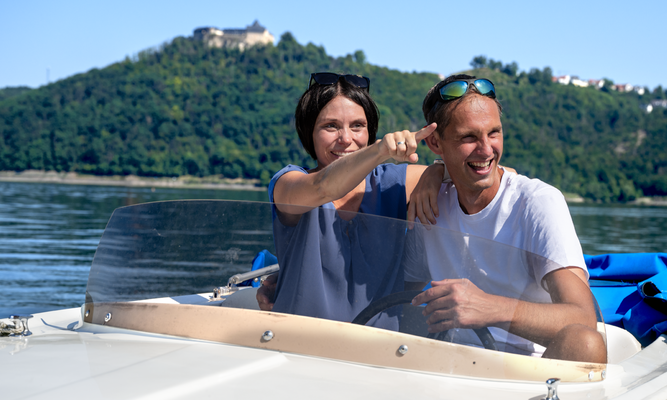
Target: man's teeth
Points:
(480, 164)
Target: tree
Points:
(510, 69)
(360, 57)
(478, 62)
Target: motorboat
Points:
(170, 312)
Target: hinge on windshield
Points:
(232, 285)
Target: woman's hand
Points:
(267, 292)
(424, 198)
(402, 146)
(508, 169)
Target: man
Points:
(485, 201)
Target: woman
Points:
(323, 253)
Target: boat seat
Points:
(621, 344)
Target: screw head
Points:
(107, 317)
(87, 313)
(403, 349)
(268, 335)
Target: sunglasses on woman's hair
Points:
(330, 78)
(454, 90)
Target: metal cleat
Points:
(19, 326)
(552, 389)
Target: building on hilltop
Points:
(242, 38)
(596, 83)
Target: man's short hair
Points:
(318, 96)
(437, 110)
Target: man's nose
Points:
(484, 146)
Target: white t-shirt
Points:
(506, 249)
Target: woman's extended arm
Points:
(296, 193)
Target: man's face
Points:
(472, 145)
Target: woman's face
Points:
(340, 130)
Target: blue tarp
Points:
(263, 259)
(631, 290)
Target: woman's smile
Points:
(340, 130)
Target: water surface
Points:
(49, 233)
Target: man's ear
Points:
(433, 143)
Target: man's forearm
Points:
(541, 322)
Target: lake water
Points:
(49, 233)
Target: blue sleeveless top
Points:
(332, 268)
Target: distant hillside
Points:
(10, 91)
(190, 109)
(597, 143)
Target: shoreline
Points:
(210, 182)
(572, 198)
(182, 182)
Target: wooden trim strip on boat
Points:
(334, 340)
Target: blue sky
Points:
(622, 41)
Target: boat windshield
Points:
(165, 268)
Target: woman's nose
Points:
(345, 135)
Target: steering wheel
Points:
(405, 297)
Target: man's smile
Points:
(480, 166)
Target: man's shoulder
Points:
(536, 199)
(530, 187)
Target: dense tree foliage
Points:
(189, 109)
(10, 91)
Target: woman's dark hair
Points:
(318, 96)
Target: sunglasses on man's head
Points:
(455, 89)
(330, 78)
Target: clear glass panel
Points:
(176, 248)
(338, 265)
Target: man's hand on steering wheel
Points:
(458, 303)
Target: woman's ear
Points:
(433, 143)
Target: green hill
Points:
(10, 91)
(188, 109)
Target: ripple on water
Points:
(49, 234)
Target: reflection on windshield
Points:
(170, 249)
(176, 248)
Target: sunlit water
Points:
(49, 233)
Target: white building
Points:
(254, 34)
